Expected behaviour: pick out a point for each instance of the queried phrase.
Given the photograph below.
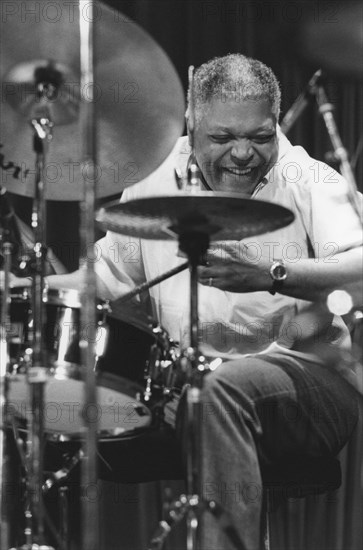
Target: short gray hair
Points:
(236, 76)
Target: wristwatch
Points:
(278, 275)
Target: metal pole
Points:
(4, 362)
(90, 516)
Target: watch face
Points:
(278, 271)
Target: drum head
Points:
(117, 412)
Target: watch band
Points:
(276, 286)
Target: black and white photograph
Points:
(181, 275)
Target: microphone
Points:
(300, 103)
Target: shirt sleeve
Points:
(118, 265)
(336, 226)
(322, 199)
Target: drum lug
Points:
(148, 389)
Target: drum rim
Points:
(104, 380)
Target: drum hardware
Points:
(37, 373)
(61, 475)
(19, 436)
(194, 243)
(64, 515)
(4, 369)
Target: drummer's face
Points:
(236, 144)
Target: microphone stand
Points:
(315, 88)
(340, 153)
(300, 104)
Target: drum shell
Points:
(19, 325)
(127, 351)
(127, 366)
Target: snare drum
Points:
(62, 330)
(119, 408)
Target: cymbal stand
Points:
(195, 244)
(37, 373)
(89, 507)
(4, 366)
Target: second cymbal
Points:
(139, 100)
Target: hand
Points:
(235, 268)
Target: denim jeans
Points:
(264, 408)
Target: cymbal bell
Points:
(139, 100)
(223, 216)
(50, 77)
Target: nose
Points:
(242, 150)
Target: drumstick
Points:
(159, 279)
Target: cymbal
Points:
(139, 100)
(333, 39)
(224, 216)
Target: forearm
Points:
(66, 280)
(313, 279)
(69, 280)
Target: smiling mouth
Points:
(239, 171)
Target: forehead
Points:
(238, 116)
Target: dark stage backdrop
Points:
(192, 32)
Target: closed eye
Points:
(220, 138)
(263, 139)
